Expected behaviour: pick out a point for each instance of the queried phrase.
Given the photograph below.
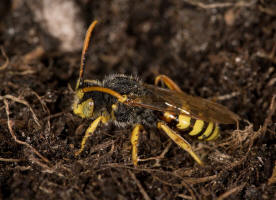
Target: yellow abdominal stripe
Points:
(215, 134)
(198, 126)
(207, 132)
(184, 122)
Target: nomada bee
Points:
(127, 101)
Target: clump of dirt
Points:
(222, 50)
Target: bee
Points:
(127, 101)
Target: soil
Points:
(222, 50)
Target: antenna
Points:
(84, 52)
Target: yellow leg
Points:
(91, 129)
(180, 141)
(134, 142)
(168, 82)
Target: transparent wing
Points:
(161, 99)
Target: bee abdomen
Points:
(198, 128)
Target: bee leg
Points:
(180, 141)
(91, 129)
(134, 142)
(168, 82)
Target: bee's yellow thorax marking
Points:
(105, 117)
(198, 126)
(207, 132)
(114, 108)
(184, 122)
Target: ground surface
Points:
(222, 50)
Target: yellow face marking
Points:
(207, 132)
(197, 127)
(215, 134)
(184, 122)
(76, 109)
(84, 109)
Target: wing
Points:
(163, 100)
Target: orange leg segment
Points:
(168, 82)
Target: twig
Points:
(183, 182)
(268, 121)
(271, 111)
(24, 73)
(16, 99)
(34, 54)
(225, 97)
(183, 196)
(142, 190)
(44, 107)
(5, 65)
(183, 179)
(10, 124)
(43, 104)
(17, 123)
(268, 10)
(232, 191)
(193, 181)
(22, 168)
(269, 56)
(54, 115)
(158, 158)
(179, 185)
(220, 5)
(102, 146)
(10, 159)
(46, 168)
(272, 179)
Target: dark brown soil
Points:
(219, 49)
